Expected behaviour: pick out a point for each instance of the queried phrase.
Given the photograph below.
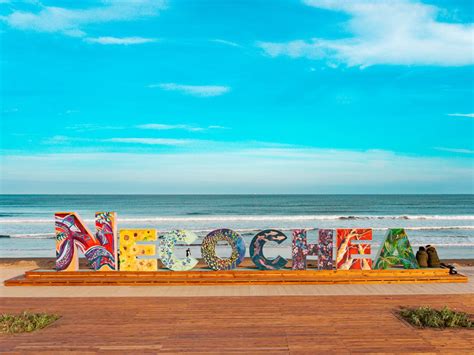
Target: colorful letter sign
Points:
(167, 245)
(99, 249)
(208, 249)
(138, 248)
(130, 250)
(325, 257)
(347, 250)
(396, 250)
(323, 250)
(256, 250)
(301, 249)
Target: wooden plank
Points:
(237, 272)
(244, 277)
(332, 324)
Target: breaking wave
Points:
(271, 218)
(251, 231)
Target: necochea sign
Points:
(353, 247)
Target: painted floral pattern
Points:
(167, 246)
(325, 255)
(299, 249)
(323, 249)
(208, 249)
(130, 250)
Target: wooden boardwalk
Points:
(234, 277)
(337, 324)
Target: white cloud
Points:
(185, 127)
(257, 170)
(194, 90)
(227, 43)
(119, 40)
(385, 32)
(71, 21)
(455, 150)
(85, 127)
(471, 115)
(151, 141)
(164, 127)
(60, 140)
(57, 140)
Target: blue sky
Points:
(314, 96)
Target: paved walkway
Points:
(334, 324)
(218, 291)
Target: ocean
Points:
(445, 221)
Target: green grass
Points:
(25, 322)
(427, 317)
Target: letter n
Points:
(100, 249)
(396, 250)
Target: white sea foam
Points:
(256, 230)
(33, 235)
(262, 218)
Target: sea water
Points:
(446, 221)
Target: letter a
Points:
(396, 250)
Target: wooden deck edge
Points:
(205, 278)
(236, 273)
(346, 282)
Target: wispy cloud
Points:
(151, 141)
(471, 115)
(119, 40)
(385, 32)
(185, 127)
(455, 150)
(62, 140)
(259, 170)
(57, 140)
(193, 90)
(85, 127)
(71, 21)
(227, 43)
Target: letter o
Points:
(208, 249)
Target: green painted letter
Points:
(396, 250)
